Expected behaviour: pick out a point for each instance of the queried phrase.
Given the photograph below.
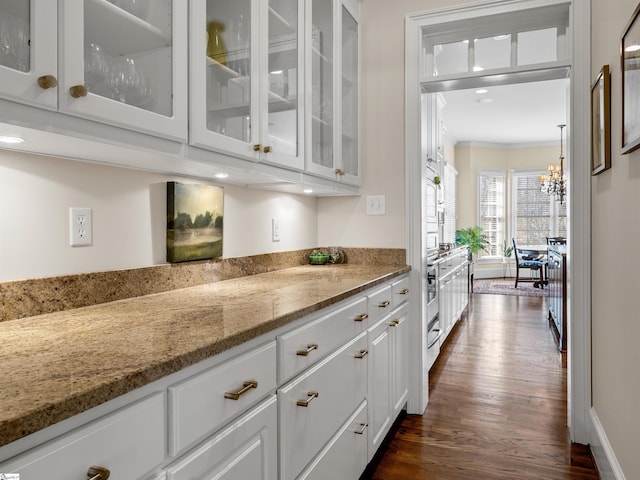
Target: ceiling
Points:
(518, 114)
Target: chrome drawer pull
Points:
(98, 473)
(404, 291)
(305, 403)
(384, 304)
(394, 323)
(361, 317)
(363, 427)
(362, 354)
(246, 386)
(311, 347)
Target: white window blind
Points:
(491, 205)
(535, 215)
(450, 207)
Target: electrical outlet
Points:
(80, 227)
(376, 205)
(275, 229)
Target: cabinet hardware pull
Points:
(384, 304)
(361, 317)
(404, 291)
(98, 473)
(310, 348)
(246, 386)
(47, 81)
(394, 323)
(363, 427)
(339, 171)
(305, 403)
(257, 147)
(362, 354)
(78, 91)
(267, 149)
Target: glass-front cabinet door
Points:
(28, 51)
(333, 67)
(124, 62)
(245, 79)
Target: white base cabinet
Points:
(252, 412)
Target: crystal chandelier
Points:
(553, 182)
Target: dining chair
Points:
(556, 240)
(528, 262)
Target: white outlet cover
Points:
(275, 229)
(376, 205)
(80, 227)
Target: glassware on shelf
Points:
(96, 67)
(139, 8)
(128, 82)
(14, 42)
(216, 49)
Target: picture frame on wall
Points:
(601, 122)
(630, 63)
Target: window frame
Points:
(483, 257)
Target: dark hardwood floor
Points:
(497, 406)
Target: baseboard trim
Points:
(605, 458)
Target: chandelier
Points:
(553, 181)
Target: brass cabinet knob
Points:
(47, 81)
(339, 171)
(257, 147)
(78, 91)
(267, 149)
(98, 473)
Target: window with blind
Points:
(535, 215)
(491, 210)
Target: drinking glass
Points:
(95, 65)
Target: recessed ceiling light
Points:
(477, 69)
(221, 175)
(484, 100)
(11, 139)
(632, 48)
(480, 91)
(276, 72)
(308, 190)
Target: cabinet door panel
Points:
(125, 67)
(29, 51)
(380, 384)
(246, 449)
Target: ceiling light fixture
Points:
(221, 175)
(11, 140)
(632, 48)
(308, 190)
(480, 91)
(554, 182)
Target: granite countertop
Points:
(57, 365)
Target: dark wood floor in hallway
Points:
(497, 407)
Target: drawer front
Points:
(340, 382)
(129, 443)
(379, 303)
(345, 456)
(245, 449)
(304, 346)
(401, 291)
(199, 405)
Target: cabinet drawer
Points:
(199, 405)
(245, 449)
(306, 345)
(345, 456)
(340, 382)
(379, 303)
(401, 291)
(129, 442)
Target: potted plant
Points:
(507, 250)
(473, 238)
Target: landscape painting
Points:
(194, 221)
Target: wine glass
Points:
(95, 65)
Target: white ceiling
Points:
(519, 114)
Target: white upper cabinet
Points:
(124, 62)
(245, 79)
(333, 94)
(28, 51)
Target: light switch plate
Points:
(376, 205)
(275, 229)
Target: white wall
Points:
(129, 214)
(615, 285)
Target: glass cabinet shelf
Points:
(120, 32)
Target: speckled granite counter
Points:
(57, 365)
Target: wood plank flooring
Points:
(497, 407)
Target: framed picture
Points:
(601, 122)
(630, 59)
(194, 221)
